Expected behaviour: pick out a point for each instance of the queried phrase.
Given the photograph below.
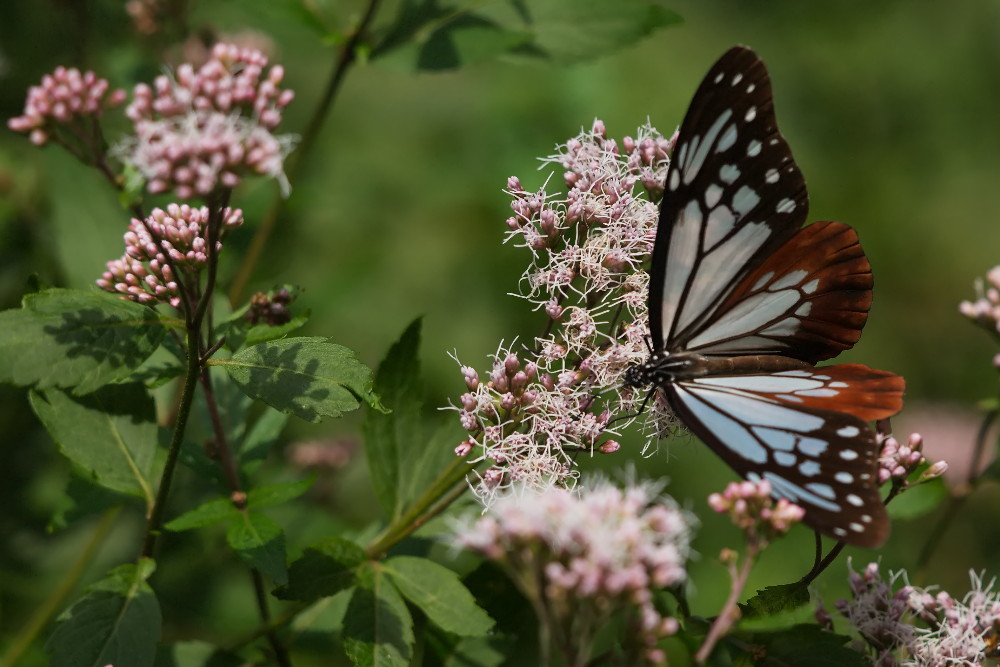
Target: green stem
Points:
(280, 652)
(43, 615)
(417, 513)
(346, 56)
(155, 522)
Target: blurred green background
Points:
(891, 109)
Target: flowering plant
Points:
(167, 399)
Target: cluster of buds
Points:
(206, 127)
(913, 626)
(898, 461)
(587, 247)
(270, 309)
(65, 99)
(167, 243)
(753, 509)
(586, 556)
(985, 310)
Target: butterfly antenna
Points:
(642, 408)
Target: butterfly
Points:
(744, 301)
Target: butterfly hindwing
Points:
(733, 196)
(809, 300)
(821, 459)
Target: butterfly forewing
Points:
(733, 195)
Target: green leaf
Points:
(308, 377)
(324, 569)
(491, 651)
(110, 435)
(802, 646)
(269, 495)
(70, 338)
(260, 543)
(572, 31)
(387, 436)
(916, 501)
(240, 333)
(195, 654)
(378, 628)
(775, 600)
(440, 594)
(206, 514)
(116, 622)
(263, 435)
(430, 35)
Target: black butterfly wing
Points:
(733, 196)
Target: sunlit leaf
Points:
(378, 628)
(311, 378)
(260, 543)
(80, 339)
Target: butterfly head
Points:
(664, 367)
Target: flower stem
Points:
(155, 521)
(346, 56)
(429, 504)
(730, 611)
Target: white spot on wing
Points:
(698, 153)
(727, 140)
(856, 527)
(811, 286)
(762, 281)
(809, 469)
(824, 490)
(752, 87)
(848, 431)
(771, 176)
(812, 446)
(728, 173)
(848, 454)
(713, 193)
(844, 477)
(745, 199)
(720, 223)
(750, 114)
(819, 393)
(785, 206)
(718, 77)
(784, 459)
(737, 78)
(790, 279)
(727, 430)
(753, 149)
(675, 179)
(856, 501)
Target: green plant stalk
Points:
(155, 522)
(414, 515)
(44, 614)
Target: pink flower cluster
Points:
(898, 461)
(206, 128)
(587, 556)
(913, 626)
(66, 97)
(166, 242)
(985, 310)
(753, 509)
(588, 246)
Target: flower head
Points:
(898, 461)
(753, 509)
(206, 128)
(587, 243)
(169, 241)
(985, 310)
(917, 627)
(66, 99)
(588, 555)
